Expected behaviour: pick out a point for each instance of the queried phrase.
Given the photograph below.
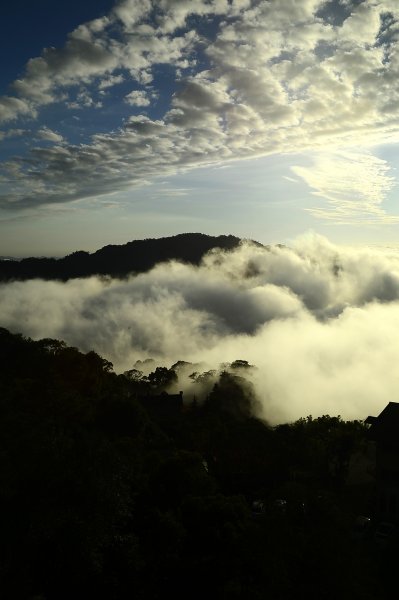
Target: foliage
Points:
(162, 378)
(118, 261)
(102, 498)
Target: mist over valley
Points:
(318, 321)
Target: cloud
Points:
(110, 81)
(82, 100)
(94, 49)
(130, 12)
(137, 98)
(354, 184)
(265, 77)
(11, 108)
(10, 133)
(319, 321)
(48, 135)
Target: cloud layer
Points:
(320, 322)
(354, 184)
(247, 78)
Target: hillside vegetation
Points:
(118, 261)
(105, 495)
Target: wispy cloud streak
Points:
(355, 185)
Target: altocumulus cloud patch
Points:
(245, 78)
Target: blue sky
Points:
(261, 118)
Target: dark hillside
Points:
(117, 261)
(112, 489)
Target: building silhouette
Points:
(384, 431)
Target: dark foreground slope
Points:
(117, 261)
(102, 498)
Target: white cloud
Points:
(138, 98)
(48, 135)
(110, 81)
(355, 185)
(131, 12)
(83, 99)
(11, 108)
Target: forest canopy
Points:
(112, 488)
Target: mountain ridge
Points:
(136, 256)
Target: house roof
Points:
(386, 425)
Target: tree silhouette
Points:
(98, 499)
(162, 378)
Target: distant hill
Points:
(117, 261)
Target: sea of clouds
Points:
(320, 322)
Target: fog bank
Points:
(319, 321)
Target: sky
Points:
(260, 118)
